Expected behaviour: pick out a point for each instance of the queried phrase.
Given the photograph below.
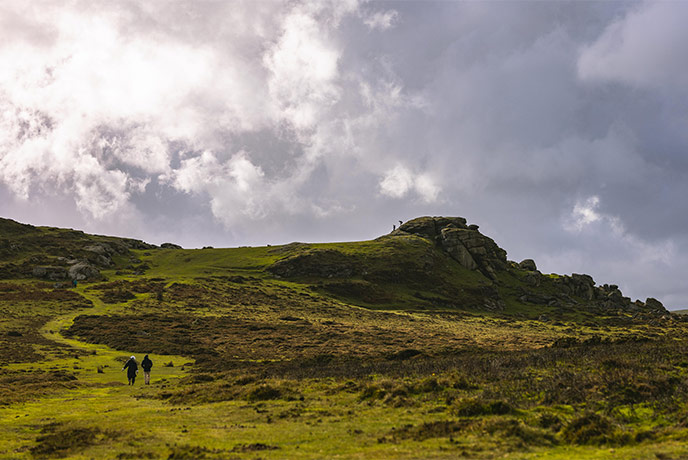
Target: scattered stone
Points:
(84, 271)
(50, 272)
(100, 248)
(527, 264)
(654, 304)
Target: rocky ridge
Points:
(60, 254)
(464, 243)
(475, 251)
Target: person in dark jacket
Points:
(146, 365)
(132, 369)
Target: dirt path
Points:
(103, 356)
(103, 398)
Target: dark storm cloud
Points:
(559, 127)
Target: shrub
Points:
(264, 393)
(591, 428)
(549, 421)
(477, 407)
(525, 434)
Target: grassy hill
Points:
(427, 342)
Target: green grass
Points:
(375, 349)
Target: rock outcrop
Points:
(464, 243)
(50, 272)
(475, 251)
(84, 271)
(568, 288)
(527, 264)
(170, 246)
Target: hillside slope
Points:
(424, 340)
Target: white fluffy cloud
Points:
(584, 213)
(115, 94)
(303, 68)
(399, 181)
(382, 20)
(249, 122)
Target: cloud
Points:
(645, 48)
(236, 187)
(399, 181)
(304, 69)
(252, 122)
(584, 213)
(121, 95)
(382, 20)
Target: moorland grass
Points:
(308, 367)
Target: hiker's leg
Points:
(146, 376)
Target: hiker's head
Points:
(133, 358)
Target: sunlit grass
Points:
(312, 372)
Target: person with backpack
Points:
(146, 365)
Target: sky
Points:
(561, 128)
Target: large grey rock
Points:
(582, 285)
(457, 250)
(464, 243)
(137, 244)
(100, 254)
(527, 264)
(84, 271)
(654, 304)
(431, 227)
(50, 272)
(488, 257)
(100, 248)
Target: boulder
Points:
(100, 248)
(137, 244)
(533, 279)
(50, 272)
(101, 254)
(615, 296)
(582, 285)
(527, 264)
(84, 271)
(431, 227)
(654, 304)
(455, 248)
(464, 243)
(488, 258)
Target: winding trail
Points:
(102, 355)
(103, 398)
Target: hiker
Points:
(394, 227)
(146, 365)
(74, 283)
(132, 371)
